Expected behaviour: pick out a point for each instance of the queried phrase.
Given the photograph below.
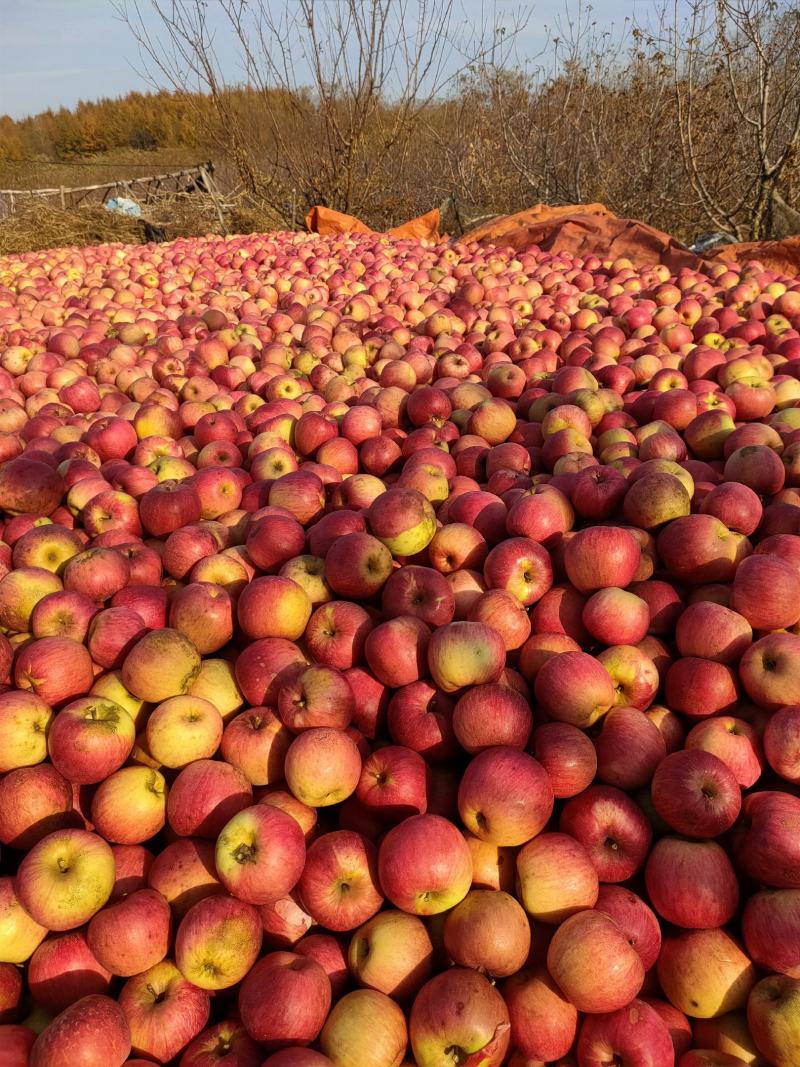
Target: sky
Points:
(54, 53)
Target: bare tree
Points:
(736, 92)
(342, 87)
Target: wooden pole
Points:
(214, 200)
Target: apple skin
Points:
(396, 650)
(17, 1042)
(568, 756)
(521, 567)
(28, 487)
(490, 715)
(770, 671)
(765, 844)
(339, 884)
(10, 993)
(696, 794)
(766, 592)
(92, 1031)
(164, 1011)
(634, 1035)
(575, 688)
(465, 653)
(771, 930)
(705, 973)
(420, 717)
(392, 952)
(615, 974)
(256, 742)
(184, 873)
(394, 783)
(56, 669)
(90, 739)
(330, 952)
(735, 742)
(322, 767)
(133, 934)
(782, 743)
(692, 884)
(130, 806)
(636, 919)
(183, 729)
(217, 942)
(204, 798)
(772, 1015)
(600, 557)
(488, 931)
(42, 892)
(420, 591)
(555, 878)
(629, 748)
(144, 670)
(63, 969)
(459, 1010)
(505, 796)
(20, 935)
(260, 854)
(357, 566)
(543, 1022)
(34, 802)
(225, 1044)
(707, 1057)
(611, 827)
(403, 519)
(319, 696)
(284, 1000)
(712, 631)
(272, 606)
(424, 865)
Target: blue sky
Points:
(56, 52)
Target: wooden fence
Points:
(145, 190)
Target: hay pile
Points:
(44, 225)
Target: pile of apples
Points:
(400, 658)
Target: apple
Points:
(322, 767)
(568, 756)
(19, 933)
(705, 973)
(634, 1035)
(424, 865)
(89, 739)
(488, 931)
(696, 794)
(183, 729)
(284, 1000)
(92, 1031)
(396, 650)
(63, 969)
(259, 854)
(772, 1018)
(692, 884)
(419, 591)
(574, 688)
(34, 801)
(217, 942)
(357, 566)
(339, 883)
(612, 978)
(10, 993)
(768, 670)
(65, 878)
(637, 921)
(132, 934)
(459, 1014)
(555, 878)
(601, 557)
(203, 612)
(365, 1026)
(184, 873)
(225, 1044)
(163, 1011)
(403, 520)
(612, 828)
(256, 742)
(393, 783)
(130, 806)
(490, 715)
(735, 742)
(629, 748)
(420, 717)
(465, 653)
(163, 664)
(205, 796)
(770, 930)
(505, 796)
(764, 843)
(782, 742)
(392, 952)
(56, 669)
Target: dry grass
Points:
(44, 225)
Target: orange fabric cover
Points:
(325, 221)
(780, 256)
(492, 230)
(422, 228)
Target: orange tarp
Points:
(585, 230)
(780, 256)
(325, 221)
